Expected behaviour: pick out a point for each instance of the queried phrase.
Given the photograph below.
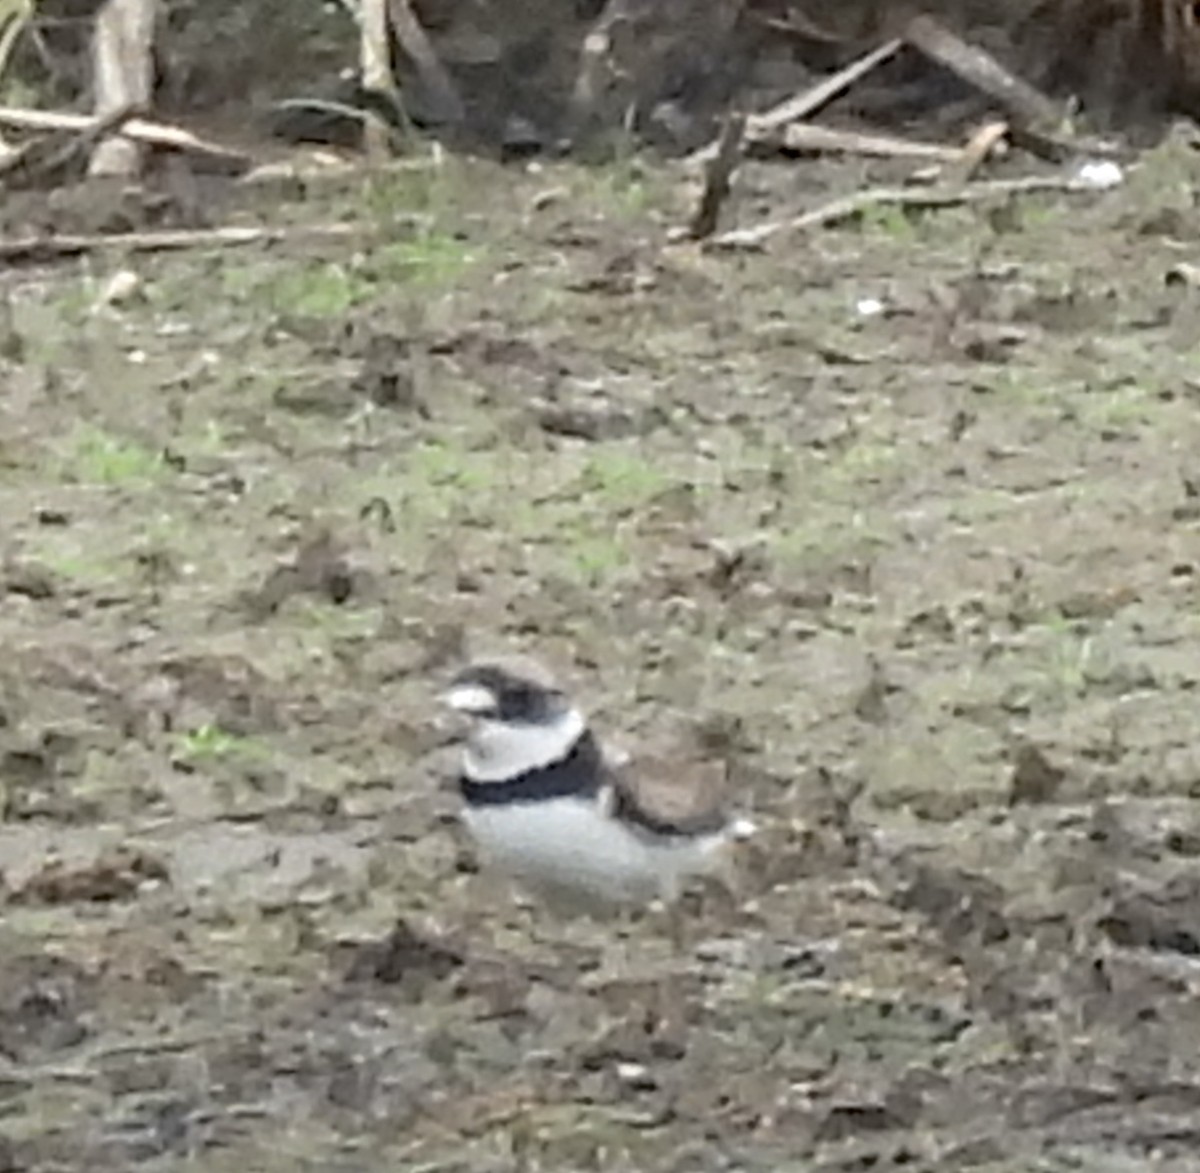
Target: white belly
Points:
(564, 849)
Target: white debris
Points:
(1100, 174)
(123, 286)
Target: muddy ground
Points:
(927, 578)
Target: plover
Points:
(545, 805)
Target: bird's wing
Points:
(669, 797)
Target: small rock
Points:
(1034, 779)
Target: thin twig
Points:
(52, 248)
(852, 206)
(323, 106)
(155, 134)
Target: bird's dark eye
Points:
(525, 703)
(520, 701)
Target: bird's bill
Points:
(471, 699)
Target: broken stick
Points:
(717, 178)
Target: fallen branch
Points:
(155, 134)
(37, 249)
(853, 206)
(981, 70)
(717, 178)
(807, 102)
(807, 136)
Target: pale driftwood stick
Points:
(981, 70)
(123, 77)
(807, 103)
(806, 136)
(979, 147)
(848, 207)
(717, 178)
(154, 134)
(52, 248)
(375, 62)
(439, 87)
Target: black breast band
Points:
(579, 775)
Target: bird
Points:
(546, 805)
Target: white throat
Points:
(499, 750)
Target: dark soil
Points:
(932, 574)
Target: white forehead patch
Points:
(471, 698)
